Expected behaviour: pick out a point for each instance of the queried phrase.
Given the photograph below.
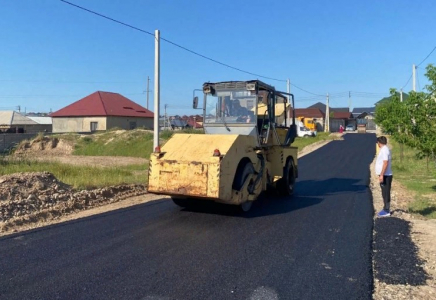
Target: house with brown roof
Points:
(101, 111)
(322, 107)
(340, 118)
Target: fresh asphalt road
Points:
(315, 246)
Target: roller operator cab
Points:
(245, 150)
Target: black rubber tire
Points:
(241, 175)
(243, 171)
(287, 182)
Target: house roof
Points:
(322, 107)
(104, 104)
(340, 109)
(309, 113)
(386, 99)
(194, 124)
(359, 110)
(10, 117)
(178, 123)
(342, 115)
(41, 120)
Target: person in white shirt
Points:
(383, 169)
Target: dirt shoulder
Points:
(404, 248)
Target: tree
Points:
(413, 121)
(395, 120)
(422, 106)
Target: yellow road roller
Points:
(249, 128)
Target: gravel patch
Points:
(35, 197)
(404, 248)
(395, 256)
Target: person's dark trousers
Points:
(386, 192)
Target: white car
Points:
(350, 127)
(303, 131)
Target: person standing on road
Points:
(384, 172)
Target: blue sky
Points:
(52, 54)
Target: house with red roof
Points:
(101, 111)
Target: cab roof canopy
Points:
(230, 85)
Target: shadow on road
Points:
(266, 205)
(308, 193)
(320, 188)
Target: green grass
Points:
(413, 174)
(80, 177)
(135, 143)
(301, 142)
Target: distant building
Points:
(365, 115)
(101, 111)
(314, 113)
(322, 107)
(15, 122)
(340, 118)
(44, 122)
(357, 111)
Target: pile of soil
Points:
(39, 196)
(52, 145)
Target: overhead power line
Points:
(172, 43)
(106, 17)
(186, 49)
(57, 96)
(301, 89)
(427, 56)
(407, 81)
(366, 93)
(65, 81)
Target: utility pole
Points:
(148, 88)
(401, 144)
(288, 88)
(156, 87)
(327, 115)
(414, 77)
(165, 117)
(349, 101)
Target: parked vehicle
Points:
(303, 131)
(350, 127)
(309, 123)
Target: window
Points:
(94, 126)
(132, 125)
